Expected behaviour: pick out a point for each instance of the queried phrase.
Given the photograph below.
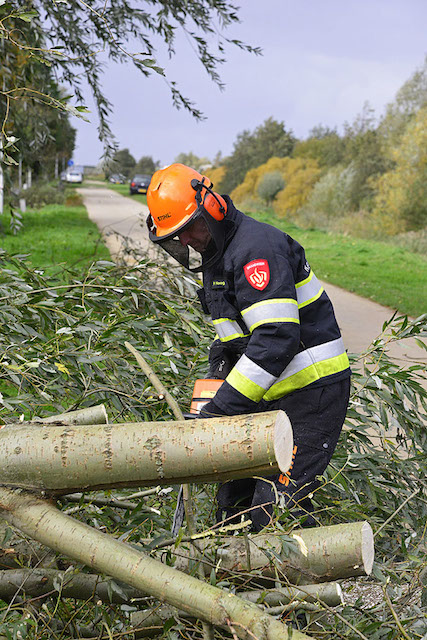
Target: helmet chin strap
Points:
(198, 185)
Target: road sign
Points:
(70, 163)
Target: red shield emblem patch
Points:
(257, 273)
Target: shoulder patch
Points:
(257, 273)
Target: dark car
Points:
(139, 184)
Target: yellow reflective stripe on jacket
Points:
(308, 290)
(249, 379)
(268, 311)
(228, 329)
(308, 366)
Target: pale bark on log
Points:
(83, 586)
(101, 501)
(148, 622)
(323, 553)
(42, 521)
(62, 459)
(329, 593)
(88, 415)
(36, 582)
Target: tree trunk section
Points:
(322, 554)
(148, 622)
(88, 415)
(41, 582)
(66, 459)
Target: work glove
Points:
(221, 361)
(222, 358)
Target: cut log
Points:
(43, 522)
(39, 582)
(64, 459)
(88, 415)
(320, 554)
(329, 593)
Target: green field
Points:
(55, 236)
(382, 272)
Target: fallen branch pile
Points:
(45, 461)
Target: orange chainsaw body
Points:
(204, 390)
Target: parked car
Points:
(74, 175)
(139, 184)
(117, 178)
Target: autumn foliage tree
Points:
(299, 176)
(251, 150)
(401, 203)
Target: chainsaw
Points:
(204, 390)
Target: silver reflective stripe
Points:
(308, 290)
(312, 356)
(275, 310)
(227, 329)
(254, 373)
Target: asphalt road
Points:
(122, 220)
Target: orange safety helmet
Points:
(176, 197)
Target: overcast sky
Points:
(322, 59)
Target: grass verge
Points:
(387, 274)
(56, 236)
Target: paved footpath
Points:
(360, 319)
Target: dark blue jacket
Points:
(273, 319)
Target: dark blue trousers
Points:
(317, 415)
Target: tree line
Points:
(370, 180)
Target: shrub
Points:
(248, 188)
(269, 186)
(415, 241)
(331, 195)
(299, 175)
(73, 198)
(41, 194)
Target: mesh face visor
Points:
(174, 248)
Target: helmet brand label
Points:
(164, 216)
(257, 273)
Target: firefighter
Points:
(277, 345)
